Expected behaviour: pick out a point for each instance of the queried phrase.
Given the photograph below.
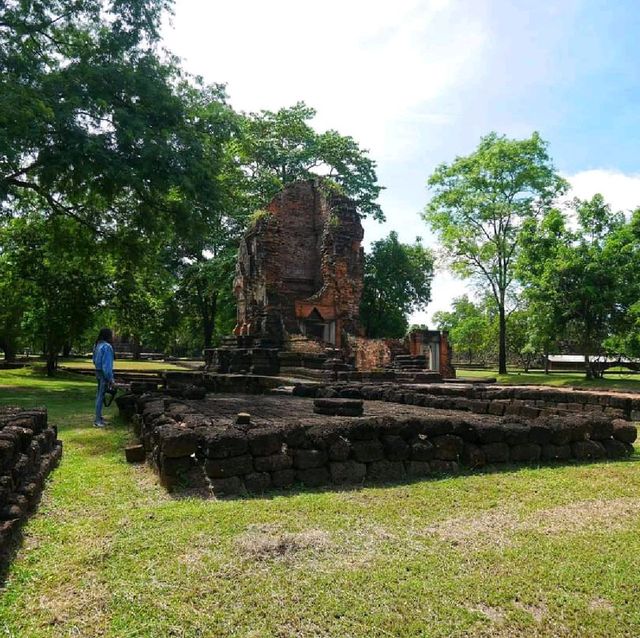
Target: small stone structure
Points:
(300, 267)
(29, 450)
(232, 444)
(421, 350)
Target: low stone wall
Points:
(29, 450)
(234, 445)
(527, 401)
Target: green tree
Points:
(478, 208)
(12, 296)
(469, 328)
(97, 126)
(585, 275)
(397, 281)
(282, 147)
(63, 279)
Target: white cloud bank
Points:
(367, 66)
(619, 190)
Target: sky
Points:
(418, 82)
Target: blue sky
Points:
(417, 82)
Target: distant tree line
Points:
(550, 277)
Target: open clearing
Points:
(530, 552)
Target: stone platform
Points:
(214, 445)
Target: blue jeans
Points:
(103, 384)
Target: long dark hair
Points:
(105, 334)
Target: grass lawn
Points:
(550, 551)
(611, 380)
(127, 365)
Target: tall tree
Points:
(479, 205)
(397, 281)
(95, 123)
(281, 147)
(62, 275)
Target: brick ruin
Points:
(300, 268)
(298, 285)
(357, 433)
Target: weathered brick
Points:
(347, 472)
(367, 451)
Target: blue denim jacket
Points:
(103, 359)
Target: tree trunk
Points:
(66, 350)
(587, 367)
(209, 320)
(9, 351)
(207, 326)
(135, 348)
(502, 352)
(546, 361)
(52, 363)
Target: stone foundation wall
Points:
(29, 450)
(189, 448)
(530, 402)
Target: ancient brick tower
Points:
(300, 268)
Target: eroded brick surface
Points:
(300, 267)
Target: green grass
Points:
(128, 365)
(550, 551)
(611, 380)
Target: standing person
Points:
(103, 362)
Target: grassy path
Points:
(535, 552)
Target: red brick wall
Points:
(305, 254)
(375, 353)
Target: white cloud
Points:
(445, 288)
(369, 67)
(619, 190)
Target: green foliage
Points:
(257, 216)
(61, 275)
(281, 147)
(479, 206)
(397, 281)
(470, 329)
(582, 278)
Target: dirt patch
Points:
(601, 604)
(488, 528)
(583, 514)
(80, 606)
(494, 614)
(496, 528)
(538, 611)
(267, 542)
